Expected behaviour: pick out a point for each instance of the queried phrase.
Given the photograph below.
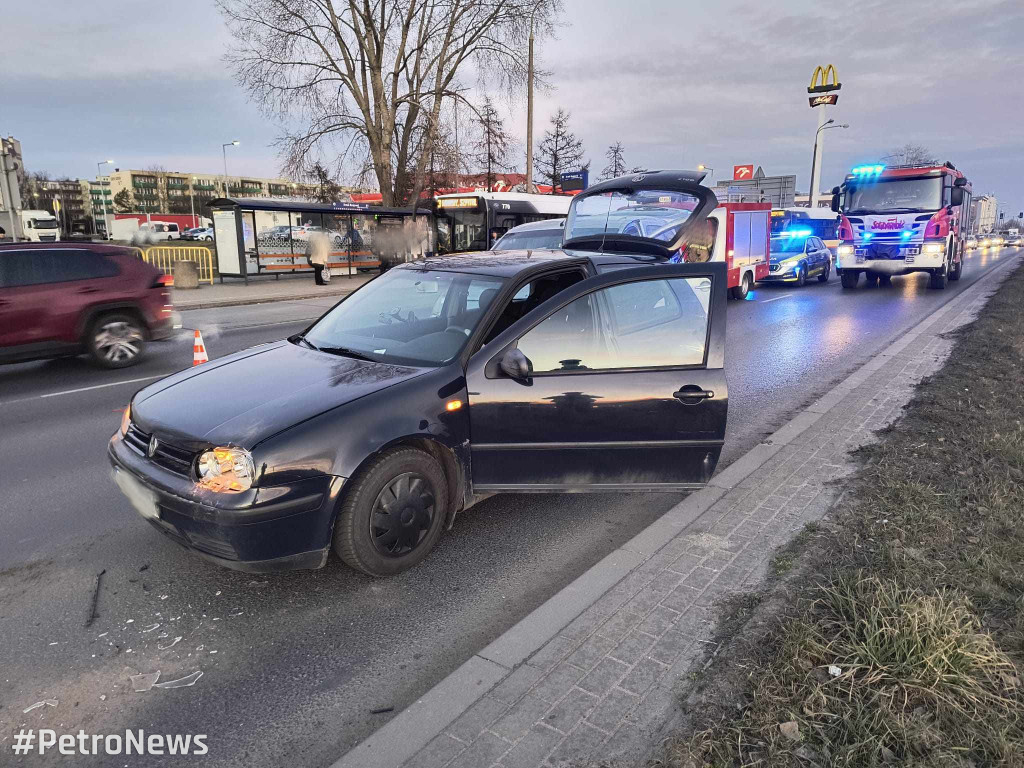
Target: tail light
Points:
(163, 281)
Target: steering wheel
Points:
(395, 314)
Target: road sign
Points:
(740, 172)
(825, 98)
(574, 181)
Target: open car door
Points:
(616, 383)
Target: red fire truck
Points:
(740, 235)
(902, 219)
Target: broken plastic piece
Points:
(142, 683)
(171, 644)
(183, 682)
(44, 702)
(834, 671)
(151, 628)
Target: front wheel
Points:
(801, 276)
(849, 279)
(740, 291)
(938, 279)
(116, 340)
(954, 274)
(392, 512)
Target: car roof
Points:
(113, 250)
(513, 263)
(544, 225)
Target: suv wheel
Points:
(116, 340)
(392, 513)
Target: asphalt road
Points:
(294, 665)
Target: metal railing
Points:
(163, 257)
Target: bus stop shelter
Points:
(255, 236)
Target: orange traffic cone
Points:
(199, 350)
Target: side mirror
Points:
(956, 196)
(960, 182)
(835, 202)
(515, 365)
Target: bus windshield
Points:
(461, 229)
(894, 196)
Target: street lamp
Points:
(816, 158)
(192, 198)
(703, 167)
(99, 173)
(224, 152)
(529, 104)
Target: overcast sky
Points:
(679, 82)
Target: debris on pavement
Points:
(381, 710)
(91, 615)
(143, 682)
(44, 702)
(171, 644)
(790, 730)
(834, 671)
(183, 682)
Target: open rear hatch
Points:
(655, 212)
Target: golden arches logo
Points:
(823, 75)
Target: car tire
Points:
(849, 279)
(885, 279)
(870, 279)
(116, 340)
(826, 273)
(937, 280)
(207, 237)
(801, 276)
(377, 540)
(740, 291)
(954, 274)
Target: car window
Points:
(641, 324)
(19, 268)
(78, 265)
(532, 295)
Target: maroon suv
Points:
(58, 300)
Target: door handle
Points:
(691, 394)
(88, 290)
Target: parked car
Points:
(57, 301)
(533, 235)
(1013, 240)
(597, 368)
(796, 255)
(198, 233)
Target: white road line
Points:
(86, 389)
(776, 298)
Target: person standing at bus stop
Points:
(319, 257)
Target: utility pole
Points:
(529, 107)
(224, 152)
(192, 199)
(103, 199)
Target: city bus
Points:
(473, 221)
(821, 222)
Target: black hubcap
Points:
(402, 514)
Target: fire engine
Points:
(740, 234)
(902, 219)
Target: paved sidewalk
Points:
(594, 676)
(265, 288)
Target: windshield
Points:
(894, 196)
(407, 317)
(461, 225)
(537, 239)
(651, 213)
(44, 223)
(788, 244)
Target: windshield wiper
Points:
(346, 352)
(307, 342)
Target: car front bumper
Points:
(283, 527)
(783, 275)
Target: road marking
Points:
(86, 389)
(776, 298)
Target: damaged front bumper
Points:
(282, 527)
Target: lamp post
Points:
(224, 152)
(529, 104)
(99, 173)
(703, 167)
(816, 158)
(192, 198)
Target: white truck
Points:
(40, 226)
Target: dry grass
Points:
(914, 596)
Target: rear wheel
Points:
(826, 272)
(957, 270)
(849, 279)
(885, 279)
(392, 513)
(870, 279)
(116, 340)
(740, 291)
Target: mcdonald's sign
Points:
(822, 75)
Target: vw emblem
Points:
(153, 445)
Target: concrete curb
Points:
(188, 306)
(413, 728)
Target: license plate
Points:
(143, 499)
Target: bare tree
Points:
(912, 154)
(616, 163)
(491, 147)
(560, 150)
(371, 76)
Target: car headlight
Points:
(933, 247)
(126, 421)
(845, 250)
(226, 470)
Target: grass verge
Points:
(895, 634)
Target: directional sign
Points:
(574, 180)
